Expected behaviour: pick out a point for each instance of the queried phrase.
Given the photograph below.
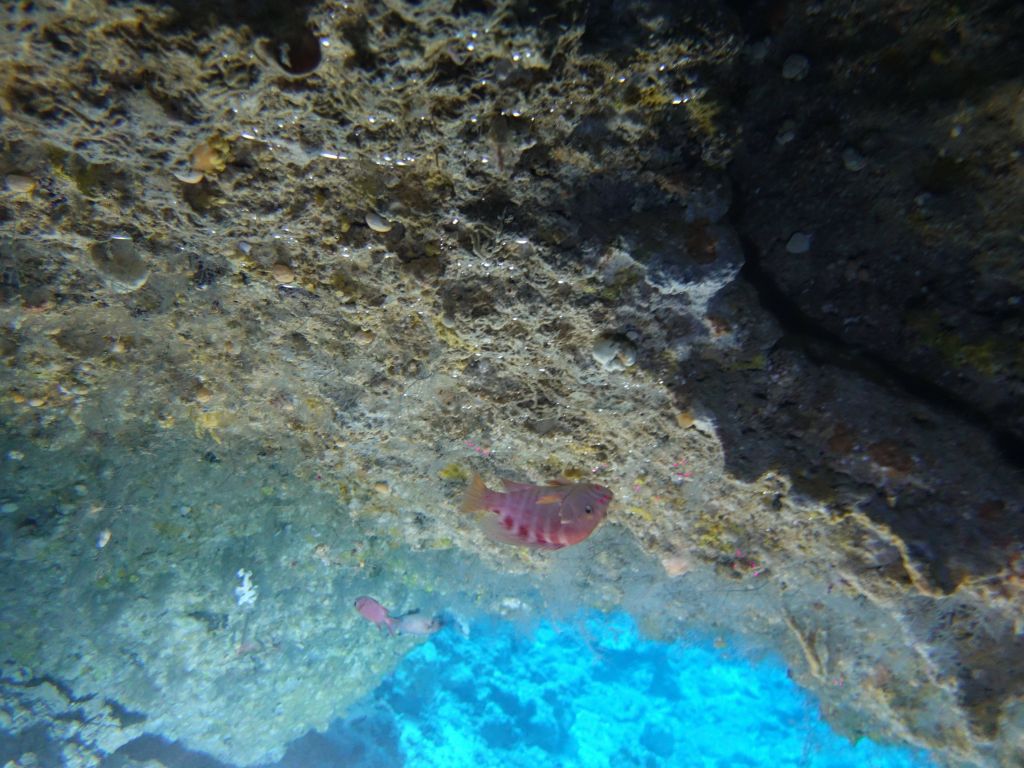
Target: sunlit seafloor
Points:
(591, 693)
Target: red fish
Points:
(375, 612)
(544, 516)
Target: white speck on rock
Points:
(246, 592)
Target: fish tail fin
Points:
(390, 623)
(476, 495)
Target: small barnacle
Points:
(453, 472)
(282, 273)
(208, 423)
(202, 394)
(212, 155)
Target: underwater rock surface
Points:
(277, 278)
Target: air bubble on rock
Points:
(799, 242)
(604, 352)
(758, 51)
(18, 184)
(298, 53)
(121, 264)
(853, 160)
(796, 67)
(616, 265)
(786, 134)
(613, 354)
(377, 223)
(189, 177)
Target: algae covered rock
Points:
(375, 248)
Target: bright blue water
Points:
(595, 694)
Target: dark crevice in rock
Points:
(264, 17)
(61, 687)
(822, 346)
(35, 739)
(168, 753)
(123, 715)
(284, 25)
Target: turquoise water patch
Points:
(587, 694)
(595, 694)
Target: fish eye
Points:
(588, 509)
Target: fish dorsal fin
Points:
(511, 486)
(559, 481)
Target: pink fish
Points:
(417, 624)
(545, 516)
(375, 612)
